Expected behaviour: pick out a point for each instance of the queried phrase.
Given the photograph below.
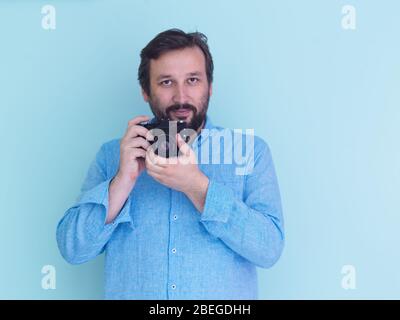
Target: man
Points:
(189, 229)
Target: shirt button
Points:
(175, 217)
(173, 287)
(173, 250)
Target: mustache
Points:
(184, 106)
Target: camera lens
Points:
(163, 148)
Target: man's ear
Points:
(145, 96)
(210, 90)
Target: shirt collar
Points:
(208, 124)
(204, 133)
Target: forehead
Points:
(178, 62)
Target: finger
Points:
(139, 142)
(137, 120)
(152, 167)
(153, 158)
(183, 146)
(136, 130)
(139, 153)
(149, 161)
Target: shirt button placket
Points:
(175, 207)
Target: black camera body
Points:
(164, 131)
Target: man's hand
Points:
(180, 173)
(133, 148)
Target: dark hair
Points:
(168, 40)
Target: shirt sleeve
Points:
(82, 233)
(252, 226)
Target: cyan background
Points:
(326, 100)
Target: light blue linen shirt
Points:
(160, 246)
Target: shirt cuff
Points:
(218, 203)
(99, 196)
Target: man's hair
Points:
(169, 40)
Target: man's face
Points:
(179, 89)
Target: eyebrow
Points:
(191, 74)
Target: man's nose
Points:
(180, 94)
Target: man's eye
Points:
(193, 80)
(166, 82)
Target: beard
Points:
(198, 114)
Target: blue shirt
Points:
(160, 246)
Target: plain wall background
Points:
(324, 98)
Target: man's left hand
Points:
(179, 173)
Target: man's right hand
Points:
(133, 148)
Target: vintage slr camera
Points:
(164, 131)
